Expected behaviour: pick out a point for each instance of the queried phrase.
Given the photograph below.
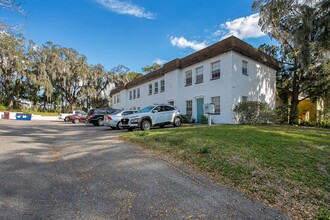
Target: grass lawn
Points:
(286, 167)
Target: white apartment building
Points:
(224, 74)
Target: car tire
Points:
(119, 127)
(113, 128)
(99, 122)
(66, 119)
(76, 121)
(145, 125)
(177, 122)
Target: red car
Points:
(76, 118)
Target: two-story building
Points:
(224, 74)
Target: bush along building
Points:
(224, 74)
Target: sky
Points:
(136, 33)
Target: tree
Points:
(13, 66)
(153, 67)
(12, 6)
(301, 28)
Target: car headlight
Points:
(135, 120)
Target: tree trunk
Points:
(293, 118)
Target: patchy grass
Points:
(286, 167)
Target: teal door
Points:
(200, 109)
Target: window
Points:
(138, 93)
(150, 89)
(171, 103)
(169, 108)
(118, 99)
(216, 101)
(162, 85)
(114, 99)
(189, 107)
(134, 94)
(189, 78)
(245, 68)
(215, 70)
(138, 108)
(130, 95)
(156, 87)
(199, 75)
(244, 98)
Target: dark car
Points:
(76, 118)
(96, 116)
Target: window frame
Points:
(216, 106)
(245, 68)
(199, 75)
(162, 85)
(150, 89)
(155, 87)
(138, 93)
(189, 108)
(190, 78)
(213, 76)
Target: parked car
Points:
(76, 118)
(113, 120)
(154, 115)
(64, 115)
(96, 116)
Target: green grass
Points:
(286, 167)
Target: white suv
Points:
(154, 115)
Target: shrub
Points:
(188, 119)
(254, 112)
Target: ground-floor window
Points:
(171, 103)
(189, 107)
(216, 101)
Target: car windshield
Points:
(146, 109)
(116, 112)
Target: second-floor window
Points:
(138, 93)
(245, 68)
(134, 94)
(188, 77)
(130, 95)
(199, 75)
(118, 99)
(162, 85)
(150, 89)
(156, 87)
(215, 70)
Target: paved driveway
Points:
(55, 170)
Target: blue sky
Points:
(136, 33)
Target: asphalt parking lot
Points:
(57, 170)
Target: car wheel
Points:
(66, 119)
(76, 121)
(177, 122)
(145, 125)
(99, 122)
(119, 127)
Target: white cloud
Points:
(182, 42)
(245, 27)
(159, 61)
(122, 7)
